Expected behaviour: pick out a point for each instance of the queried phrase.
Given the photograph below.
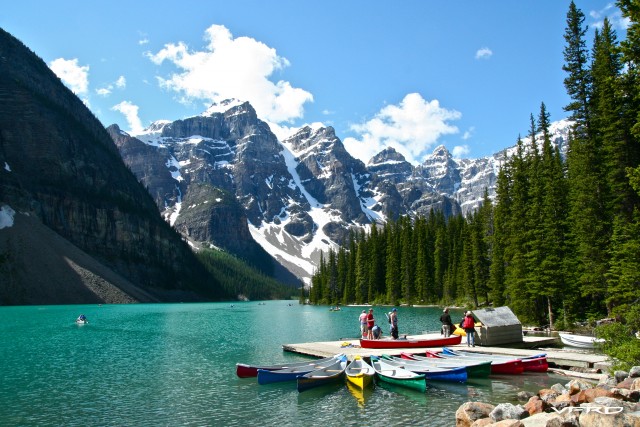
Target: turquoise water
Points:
(174, 365)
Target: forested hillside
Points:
(561, 242)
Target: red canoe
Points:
(498, 365)
(411, 343)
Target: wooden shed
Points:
(499, 326)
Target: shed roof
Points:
(499, 316)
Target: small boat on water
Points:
(398, 376)
(456, 374)
(291, 373)
(247, 371)
(533, 363)
(580, 341)
(360, 373)
(329, 374)
(436, 341)
(475, 368)
(498, 366)
(82, 320)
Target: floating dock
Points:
(532, 345)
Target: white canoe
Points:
(580, 341)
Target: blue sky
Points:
(410, 74)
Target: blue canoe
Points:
(431, 373)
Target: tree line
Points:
(561, 240)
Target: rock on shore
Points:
(613, 402)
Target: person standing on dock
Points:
(363, 324)
(469, 326)
(445, 318)
(393, 319)
(370, 323)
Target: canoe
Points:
(456, 374)
(475, 369)
(498, 366)
(360, 373)
(411, 343)
(580, 341)
(327, 375)
(534, 363)
(398, 376)
(291, 373)
(247, 371)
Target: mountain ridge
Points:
(306, 193)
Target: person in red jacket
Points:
(468, 324)
(370, 323)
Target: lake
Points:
(174, 365)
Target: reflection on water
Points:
(361, 395)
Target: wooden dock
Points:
(556, 357)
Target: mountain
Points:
(77, 226)
(223, 179)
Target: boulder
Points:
(620, 375)
(550, 419)
(558, 388)
(574, 386)
(634, 372)
(524, 396)
(548, 395)
(598, 417)
(469, 412)
(635, 386)
(508, 411)
(535, 405)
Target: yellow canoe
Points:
(360, 373)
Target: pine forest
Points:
(561, 240)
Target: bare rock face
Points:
(62, 167)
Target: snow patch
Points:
(6, 167)
(6, 216)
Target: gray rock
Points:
(634, 372)
(620, 375)
(508, 411)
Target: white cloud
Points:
(411, 127)
(468, 133)
(615, 17)
(75, 76)
(484, 53)
(121, 83)
(130, 112)
(231, 67)
(460, 151)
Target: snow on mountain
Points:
(224, 176)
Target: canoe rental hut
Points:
(499, 326)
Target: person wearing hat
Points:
(393, 319)
(468, 324)
(445, 318)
